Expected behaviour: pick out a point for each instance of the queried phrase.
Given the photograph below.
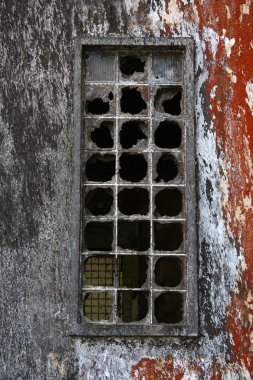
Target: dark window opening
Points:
(134, 235)
(101, 136)
(98, 236)
(132, 271)
(133, 201)
(99, 201)
(131, 64)
(168, 202)
(168, 100)
(97, 106)
(131, 101)
(169, 307)
(131, 133)
(132, 306)
(168, 236)
(168, 135)
(168, 271)
(133, 167)
(100, 168)
(166, 168)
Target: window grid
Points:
(170, 50)
(150, 151)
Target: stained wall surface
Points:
(36, 137)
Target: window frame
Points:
(190, 326)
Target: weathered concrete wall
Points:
(37, 55)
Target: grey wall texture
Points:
(36, 175)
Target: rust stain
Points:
(231, 74)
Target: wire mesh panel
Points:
(135, 229)
(97, 306)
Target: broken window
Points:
(138, 241)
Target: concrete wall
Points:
(36, 136)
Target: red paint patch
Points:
(156, 369)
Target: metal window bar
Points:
(112, 290)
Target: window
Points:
(137, 230)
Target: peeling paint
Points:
(174, 14)
(249, 99)
(228, 12)
(229, 43)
